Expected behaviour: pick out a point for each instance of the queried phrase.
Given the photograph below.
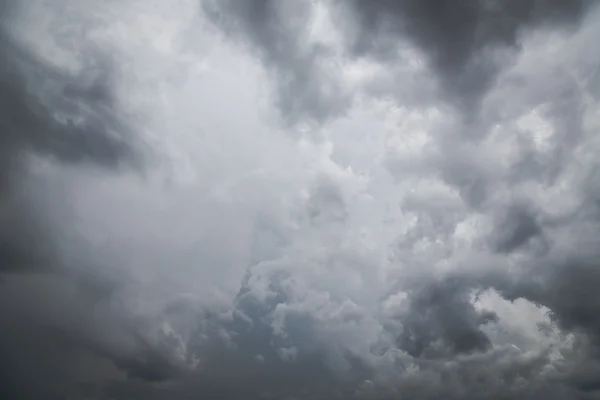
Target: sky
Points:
(317, 199)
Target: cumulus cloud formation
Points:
(299, 200)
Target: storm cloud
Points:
(299, 200)
(53, 117)
(464, 42)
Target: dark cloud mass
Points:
(277, 32)
(49, 114)
(462, 40)
(47, 339)
(445, 248)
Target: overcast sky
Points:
(312, 199)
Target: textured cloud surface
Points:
(299, 200)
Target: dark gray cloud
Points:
(54, 115)
(530, 250)
(465, 42)
(58, 337)
(313, 319)
(48, 341)
(245, 350)
(277, 32)
(556, 269)
(517, 226)
(441, 321)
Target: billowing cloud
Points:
(317, 200)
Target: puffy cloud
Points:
(422, 223)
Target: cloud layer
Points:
(317, 200)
